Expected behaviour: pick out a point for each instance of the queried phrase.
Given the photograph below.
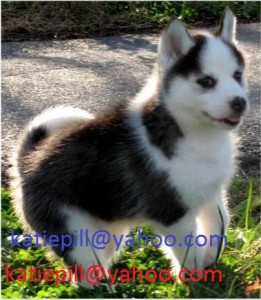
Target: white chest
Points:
(198, 170)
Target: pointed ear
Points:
(175, 41)
(227, 27)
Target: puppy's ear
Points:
(227, 27)
(175, 41)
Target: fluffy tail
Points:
(50, 121)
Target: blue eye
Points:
(207, 82)
(238, 76)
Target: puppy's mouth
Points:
(232, 120)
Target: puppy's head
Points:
(202, 76)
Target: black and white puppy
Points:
(163, 158)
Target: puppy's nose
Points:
(238, 104)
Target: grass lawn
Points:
(240, 262)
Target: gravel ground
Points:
(95, 73)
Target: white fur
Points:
(229, 26)
(175, 41)
(203, 164)
(88, 256)
(190, 101)
(56, 118)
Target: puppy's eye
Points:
(238, 76)
(207, 82)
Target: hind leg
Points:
(52, 120)
(88, 256)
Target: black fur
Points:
(236, 53)
(37, 135)
(99, 167)
(162, 129)
(188, 63)
(31, 139)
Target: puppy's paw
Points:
(193, 259)
(212, 252)
(211, 256)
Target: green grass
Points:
(37, 20)
(240, 261)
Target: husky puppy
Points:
(163, 158)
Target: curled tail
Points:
(49, 122)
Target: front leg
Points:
(213, 219)
(183, 256)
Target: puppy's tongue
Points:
(234, 117)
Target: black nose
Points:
(238, 104)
